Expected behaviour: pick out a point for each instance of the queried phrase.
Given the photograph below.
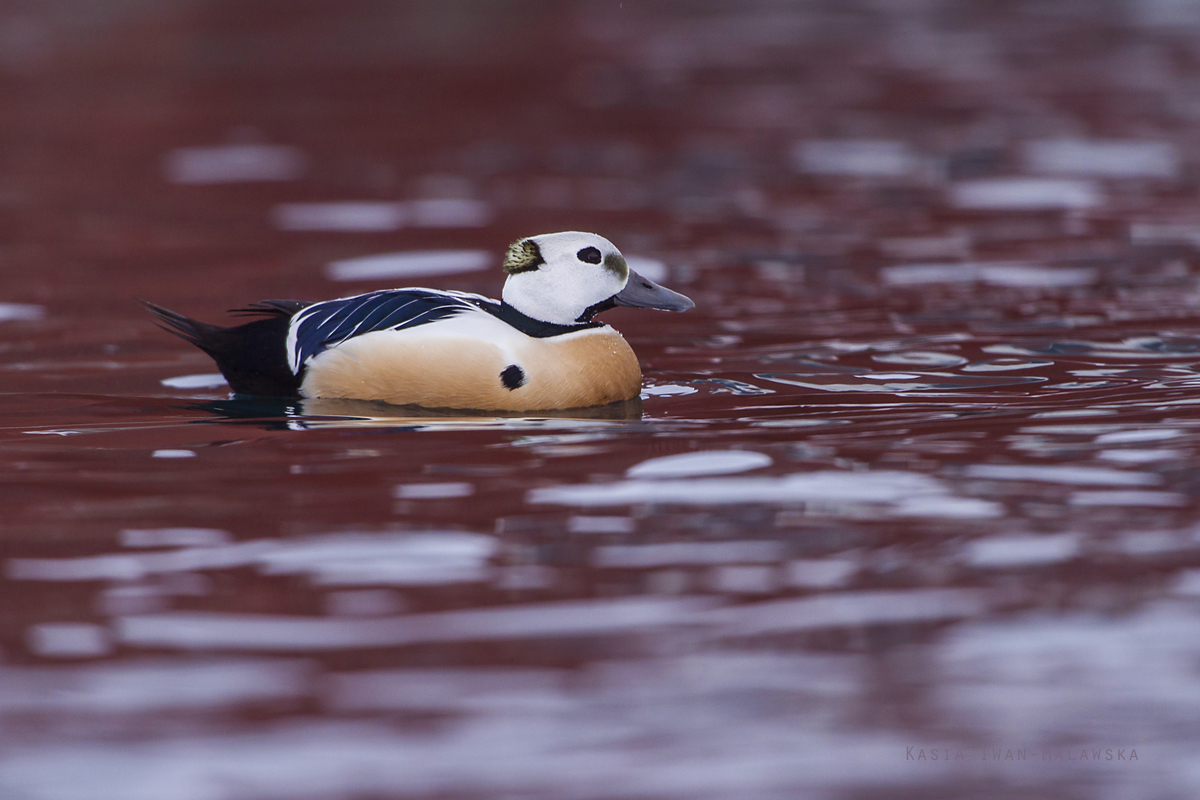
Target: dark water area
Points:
(909, 505)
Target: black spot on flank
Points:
(589, 254)
(513, 377)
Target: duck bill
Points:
(642, 292)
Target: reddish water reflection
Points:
(916, 477)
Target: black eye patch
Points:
(589, 254)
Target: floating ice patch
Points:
(860, 158)
(433, 491)
(208, 380)
(173, 454)
(236, 163)
(1139, 435)
(647, 556)
(1022, 551)
(705, 462)
(69, 640)
(666, 390)
(21, 312)
(1026, 194)
(1080, 476)
(450, 213)
(1129, 498)
(650, 268)
(995, 274)
(264, 632)
(920, 359)
(1103, 159)
(403, 265)
(357, 216)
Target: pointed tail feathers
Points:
(198, 333)
(252, 356)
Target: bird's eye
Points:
(589, 254)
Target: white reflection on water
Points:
(854, 157)
(705, 462)
(234, 163)
(995, 274)
(1137, 456)
(587, 524)
(647, 267)
(208, 380)
(1022, 550)
(1154, 434)
(906, 493)
(340, 216)
(999, 194)
(1129, 498)
(405, 265)
(69, 640)
(1080, 678)
(820, 573)
(174, 537)
(23, 312)
(336, 559)
(262, 632)
(1081, 476)
(847, 609)
(150, 685)
(1103, 159)
(433, 491)
(641, 556)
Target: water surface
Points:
(908, 506)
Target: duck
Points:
(538, 348)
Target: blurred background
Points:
(910, 509)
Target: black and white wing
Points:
(324, 325)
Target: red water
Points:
(939, 531)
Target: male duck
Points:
(539, 348)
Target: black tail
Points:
(253, 356)
(198, 333)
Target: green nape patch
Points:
(523, 256)
(615, 263)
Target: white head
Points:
(566, 277)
